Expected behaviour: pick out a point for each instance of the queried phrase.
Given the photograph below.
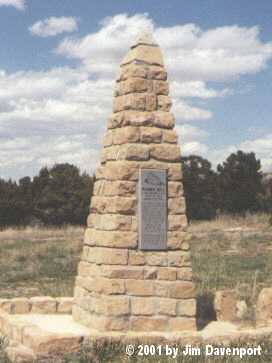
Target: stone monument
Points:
(135, 271)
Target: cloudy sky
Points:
(59, 59)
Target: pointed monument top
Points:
(145, 38)
(145, 51)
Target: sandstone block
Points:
(163, 119)
(142, 306)
(165, 273)
(120, 170)
(176, 241)
(182, 290)
(65, 305)
(109, 286)
(20, 354)
(131, 85)
(113, 305)
(144, 54)
(156, 73)
(151, 102)
(175, 189)
(179, 259)
(111, 256)
(108, 140)
(225, 305)
(165, 152)
(161, 288)
(185, 273)
(115, 239)
(156, 258)
(146, 324)
(164, 103)
(20, 306)
(176, 205)
(43, 305)
(136, 258)
(150, 134)
(174, 172)
(166, 306)
(125, 135)
(123, 272)
(139, 287)
(169, 136)
(186, 307)
(88, 237)
(113, 188)
(177, 222)
(5, 305)
(109, 323)
(182, 324)
(150, 273)
(133, 70)
(137, 118)
(113, 222)
(161, 87)
(133, 152)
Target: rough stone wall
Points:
(119, 287)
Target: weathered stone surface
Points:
(142, 306)
(113, 222)
(133, 70)
(43, 305)
(110, 256)
(179, 259)
(165, 152)
(5, 305)
(177, 222)
(133, 152)
(123, 272)
(156, 73)
(20, 306)
(176, 241)
(114, 188)
(164, 103)
(20, 354)
(182, 290)
(150, 273)
(139, 287)
(121, 239)
(163, 119)
(175, 189)
(185, 273)
(136, 258)
(109, 286)
(176, 205)
(165, 273)
(225, 305)
(166, 306)
(264, 307)
(148, 324)
(131, 85)
(180, 324)
(161, 87)
(109, 205)
(65, 305)
(156, 258)
(186, 307)
(169, 136)
(126, 135)
(150, 134)
(145, 54)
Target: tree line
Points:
(61, 195)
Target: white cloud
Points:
(18, 4)
(53, 26)
(190, 53)
(60, 114)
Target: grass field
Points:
(226, 253)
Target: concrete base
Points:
(36, 336)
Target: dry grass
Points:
(257, 221)
(41, 233)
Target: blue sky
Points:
(58, 61)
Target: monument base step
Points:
(39, 336)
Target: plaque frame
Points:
(157, 241)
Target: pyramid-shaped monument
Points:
(135, 271)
